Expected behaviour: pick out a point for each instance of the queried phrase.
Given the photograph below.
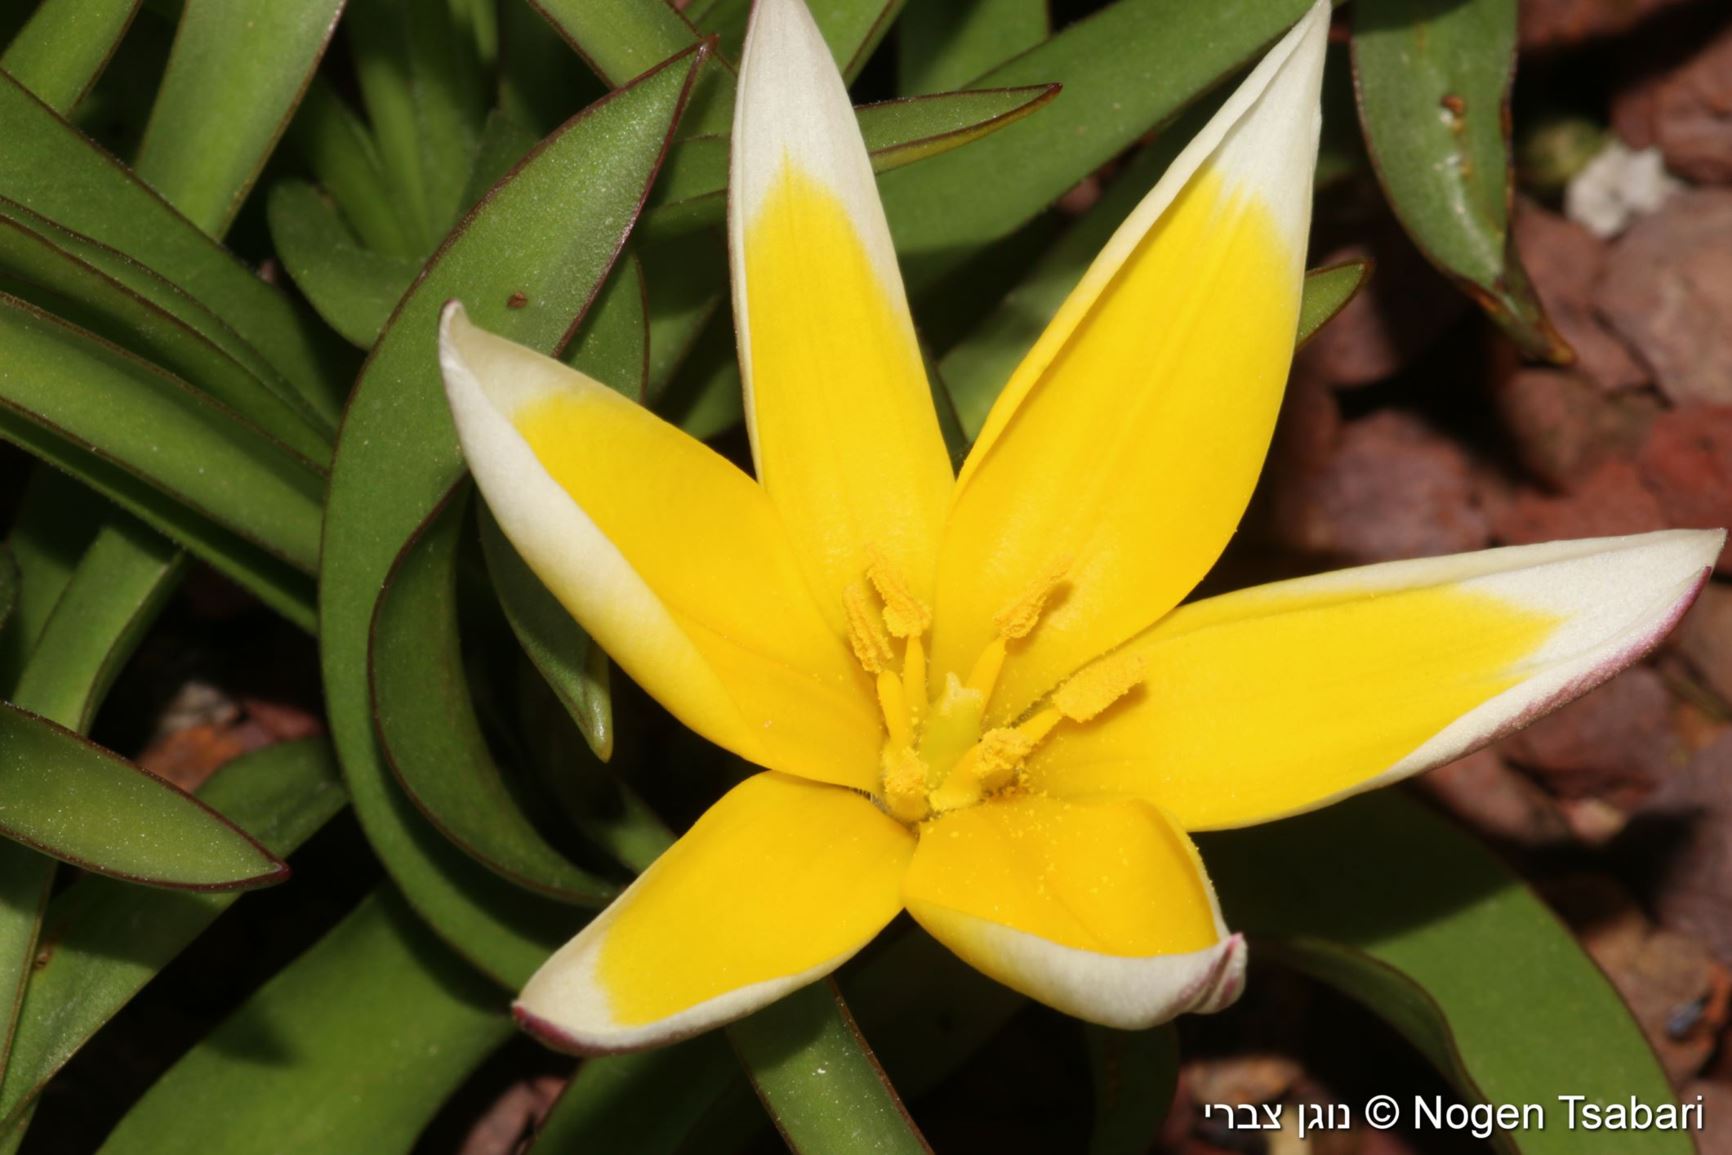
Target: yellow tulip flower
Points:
(975, 694)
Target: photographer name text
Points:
(1482, 1120)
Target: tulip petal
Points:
(1284, 698)
(1100, 909)
(842, 424)
(1127, 443)
(669, 556)
(776, 886)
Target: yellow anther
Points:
(1018, 619)
(1001, 753)
(984, 676)
(894, 706)
(1095, 687)
(914, 679)
(904, 614)
(904, 784)
(866, 628)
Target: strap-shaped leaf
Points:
(1125, 70)
(897, 132)
(379, 1023)
(52, 169)
(427, 725)
(234, 76)
(92, 580)
(62, 50)
(544, 240)
(941, 46)
(1433, 83)
(66, 275)
(276, 583)
(8, 585)
(71, 799)
(1400, 909)
(421, 81)
(621, 1102)
(156, 427)
(850, 1106)
(353, 288)
(1327, 292)
(340, 151)
(110, 938)
(1136, 1074)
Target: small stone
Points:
(1565, 262)
(1692, 114)
(1667, 290)
(1675, 988)
(1617, 188)
(1393, 489)
(1402, 310)
(1614, 743)
(1611, 500)
(1487, 794)
(1686, 463)
(1690, 819)
(1562, 427)
(1704, 639)
(1559, 23)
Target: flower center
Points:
(938, 753)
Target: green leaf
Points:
(353, 1048)
(427, 726)
(119, 587)
(549, 233)
(421, 81)
(234, 77)
(276, 583)
(942, 46)
(339, 150)
(620, 39)
(1327, 292)
(1433, 81)
(62, 50)
(1400, 909)
(8, 585)
(55, 521)
(897, 132)
(104, 940)
(622, 1102)
(573, 666)
(54, 170)
(143, 314)
(1125, 70)
(354, 288)
(159, 429)
(612, 345)
(92, 583)
(1136, 1074)
(71, 799)
(853, 28)
(819, 1080)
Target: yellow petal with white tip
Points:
(669, 556)
(1099, 909)
(843, 429)
(775, 886)
(1284, 698)
(1127, 443)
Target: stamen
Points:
(1038, 727)
(1093, 688)
(1001, 756)
(905, 784)
(894, 707)
(904, 614)
(866, 628)
(914, 680)
(1018, 619)
(984, 676)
